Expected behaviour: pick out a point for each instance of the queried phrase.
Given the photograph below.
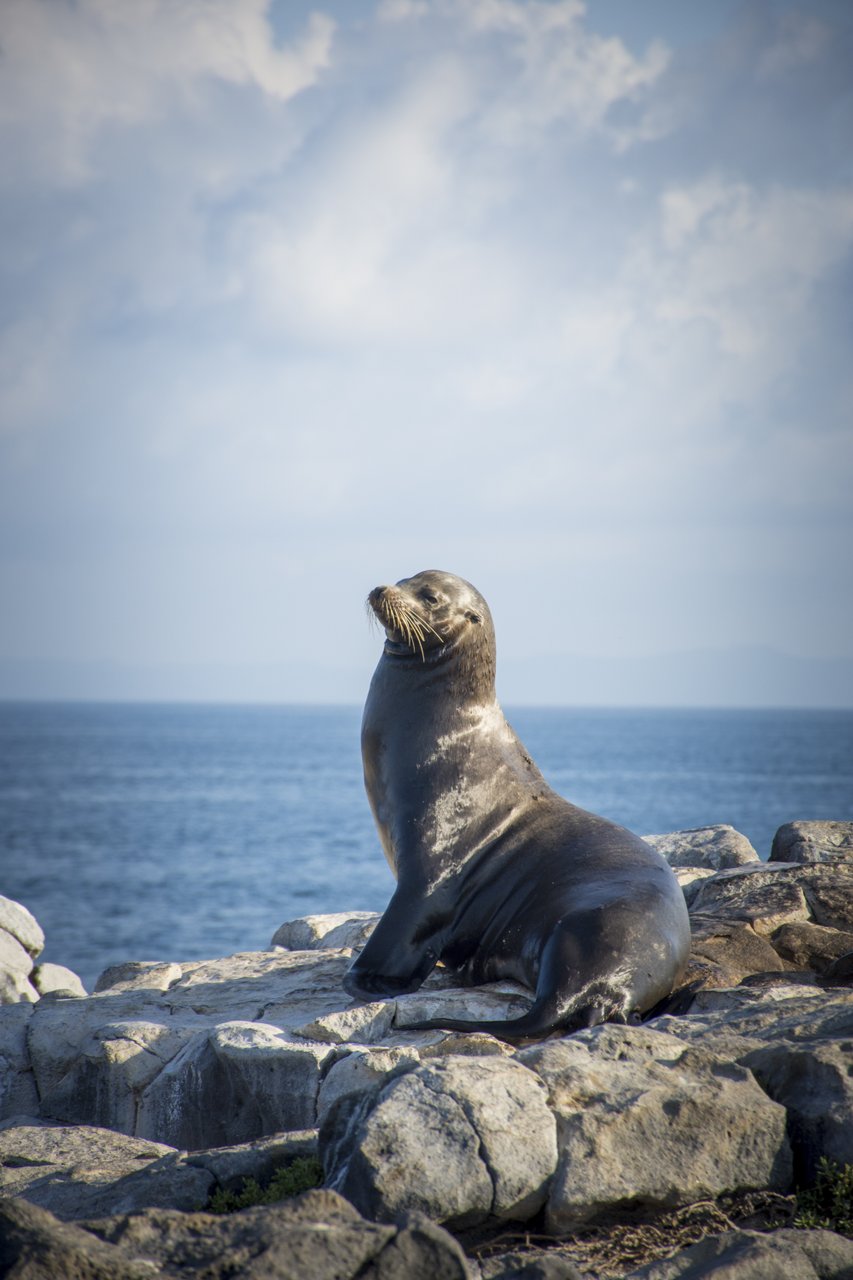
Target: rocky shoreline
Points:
(123, 1112)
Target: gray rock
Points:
(523, 1266)
(709, 847)
(239, 1081)
(78, 1172)
(18, 1094)
(132, 1057)
(317, 1236)
(829, 893)
(766, 897)
(724, 951)
(22, 925)
(813, 842)
(34, 1245)
(493, 1002)
(56, 979)
(777, 893)
(104, 1081)
(784, 1015)
(815, 1084)
(811, 946)
(231, 1166)
(15, 968)
(690, 879)
(457, 1139)
(311, 933)
(421, 1250)
(362, 1072)
(363, 1024)
(642, 1122)
(753, 1255)
(139, 975)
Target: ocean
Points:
(153, 832)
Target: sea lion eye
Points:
(429, 598)
(473, 617)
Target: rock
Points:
(641, 1122)
(18, 1094)
(78, 1172)
(765, 897)
(139, 975)
(489, 1003)
(457, 1139)
(772, 894)
(813, 842)
(709, 847)
(57, 980)
(521, 1266)
(840, 971)
(15, 968)
(811, 946)
(22, 925)
(361, 1072)
(231, 1166)
(830, 896)
(690, 879)
(103, 1059)
(753, 1255)
(34, 1245)
(311, 933)
(316, 1236)
(723, 952)
(363, 1023)
(815, 1085)
(419, 1251)
(239, 1081)
(103, 1082)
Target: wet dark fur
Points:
(498, 876)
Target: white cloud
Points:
(747, 261)
(71, 71)
(451, 306)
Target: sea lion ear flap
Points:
(472, 616)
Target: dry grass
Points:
(610, 1251)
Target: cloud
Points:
(460, 283)
(73, 70)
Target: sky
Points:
(297, 299)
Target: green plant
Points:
(829, 1203)
(301, 1174)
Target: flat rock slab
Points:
(317, 1236)
(79, 1172)
(217, 1052)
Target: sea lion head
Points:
(434, 616)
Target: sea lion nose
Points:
(376, 596)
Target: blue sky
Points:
(299, 299)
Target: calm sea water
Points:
(185, 832)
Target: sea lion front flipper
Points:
(397, 956)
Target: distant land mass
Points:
(737, 677)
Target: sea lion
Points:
(497, 875)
